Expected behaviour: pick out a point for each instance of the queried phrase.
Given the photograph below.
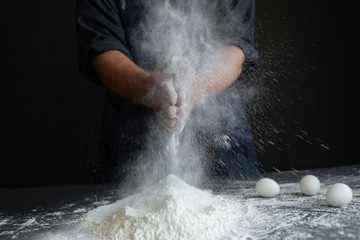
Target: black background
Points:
(51, 115)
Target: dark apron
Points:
(129, 127)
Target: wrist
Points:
(146, 82)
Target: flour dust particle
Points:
(171, 210)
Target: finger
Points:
(169, 122)
(171, 112)
(168, 92)
(169, 126)
(182, 95)
(181, 111)
(180, 124)
(166, 111)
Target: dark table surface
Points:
(54, 212)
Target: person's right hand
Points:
(172, 93)
(162, 96)
(184, 81)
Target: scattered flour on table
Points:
(171, 210)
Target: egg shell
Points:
(267, 187)
(338, 195)
(310, 185)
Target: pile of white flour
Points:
(170, 210)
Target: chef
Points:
(147, 88)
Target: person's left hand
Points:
(184, 79)
(182, 76)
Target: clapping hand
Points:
(172, 92)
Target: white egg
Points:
(310, 185)
(267, 187)
(338, 195)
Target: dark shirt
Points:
(126, 26)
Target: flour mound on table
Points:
(170, 210)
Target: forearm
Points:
(122, 76)
(222, 74)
